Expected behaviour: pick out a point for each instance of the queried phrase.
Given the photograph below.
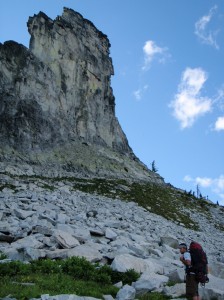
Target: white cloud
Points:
(215, 184)
(218, 100)
(219, 124)
(220, 182)
(188, 178)
(150, 50)
(193, 80)
(188, 105)
(203, 181)
(138, 94)
(205, 35)
(218, 187)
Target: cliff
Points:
(57, 108)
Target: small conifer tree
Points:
(154, 168)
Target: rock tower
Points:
(57, 108)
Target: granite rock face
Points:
(56, 97)
(59, 89)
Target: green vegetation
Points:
(48, 187)
(219, 226)
(162, 200)
(154, 296)
(2, 256)
(33, 286)
(7, 186)
(165, 200)
(71, 276)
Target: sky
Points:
(168, 59)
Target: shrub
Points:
(2, 256)
(79, 268)
(62, 276)
(46, 266)
(14, 268)
(126, 277)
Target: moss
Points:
(48, 187)
(7, 186)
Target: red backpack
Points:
(199, 262)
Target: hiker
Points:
(191, 282)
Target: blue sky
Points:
(168, 58)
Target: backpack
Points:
(199, 262)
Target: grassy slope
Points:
(171, 203)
